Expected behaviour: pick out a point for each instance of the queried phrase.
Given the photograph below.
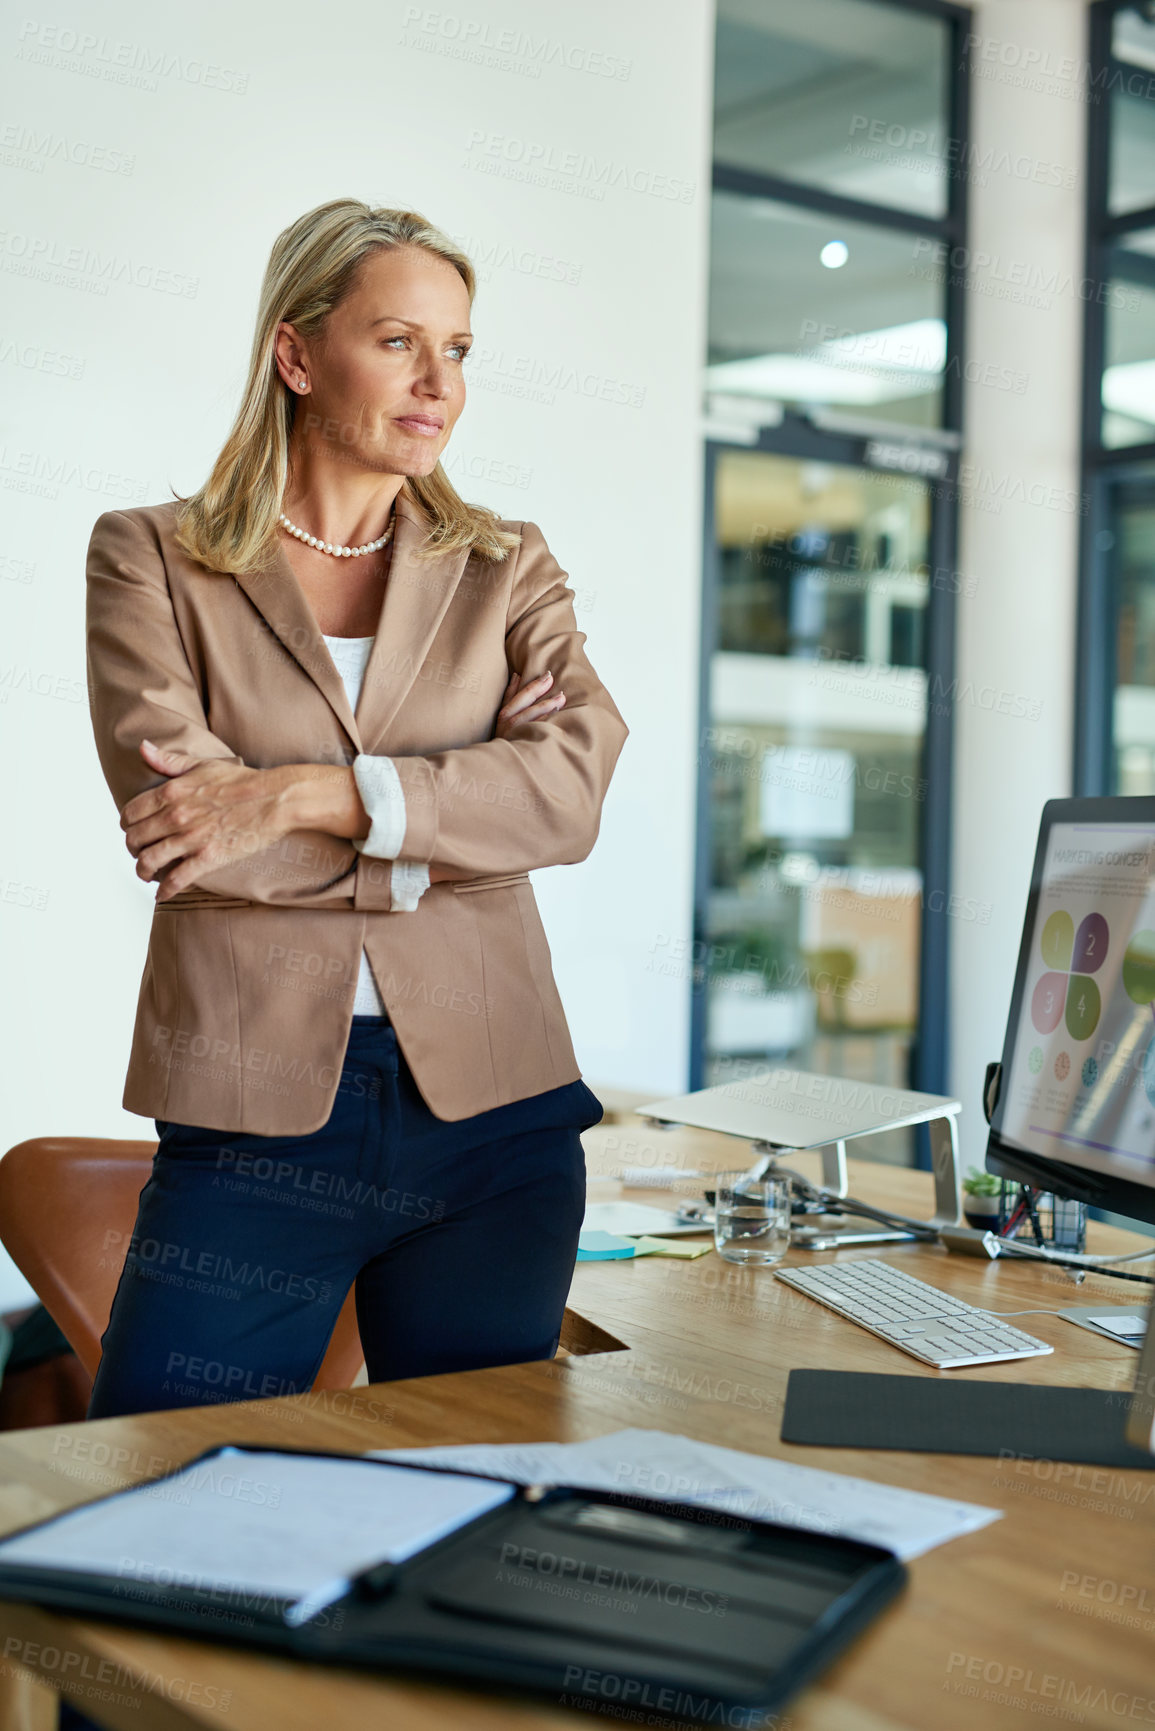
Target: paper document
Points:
(632, 1219)
(656, 1177)
(1126, 1324)
(651, 1463)
(1127, 1327)
(284, 1525)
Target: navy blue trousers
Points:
(460, 1239)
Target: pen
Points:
(373, 1583)
(301, 1610)
(1013, 1221)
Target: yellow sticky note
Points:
(669, 1247)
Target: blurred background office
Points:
(820, 342)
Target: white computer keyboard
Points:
(911, 1315)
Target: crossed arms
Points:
(502, 805)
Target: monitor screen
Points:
(1078, 1082)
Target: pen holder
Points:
(1062, 1224)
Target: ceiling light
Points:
(834, 254)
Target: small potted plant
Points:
(981, 1196)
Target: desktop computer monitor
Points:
(1075, 1110)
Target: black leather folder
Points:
(593, 1599)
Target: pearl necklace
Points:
(332, 547)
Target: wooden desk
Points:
(1047, 1614)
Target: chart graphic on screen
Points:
(1081, 1083)
(1067, 990)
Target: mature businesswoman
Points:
(343, 715)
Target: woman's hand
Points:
(209, 814)
(528, 704)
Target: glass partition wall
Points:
(817, 725)
(833, 396)
(1115, 737)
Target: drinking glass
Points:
(751, 1218)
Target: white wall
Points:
(165, 152)
(1020, 496)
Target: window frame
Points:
(1102, 467)
(800, 435)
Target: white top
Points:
(383, 798)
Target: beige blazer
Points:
(247, 993)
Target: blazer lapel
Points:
(417, 593)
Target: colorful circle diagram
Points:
(1058, 941)
(1066, 990)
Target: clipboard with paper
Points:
(552, 1590)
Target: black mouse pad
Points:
(857, 1410)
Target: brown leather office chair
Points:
(67, 1209)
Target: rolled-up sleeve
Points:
(410, 882)
(383, 798)
(381, 794)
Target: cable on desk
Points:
(1030, 1253)
(926, 1233)
(834, 1204)
(1079, 1257)
(897, 1222)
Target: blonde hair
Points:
(231, 523)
